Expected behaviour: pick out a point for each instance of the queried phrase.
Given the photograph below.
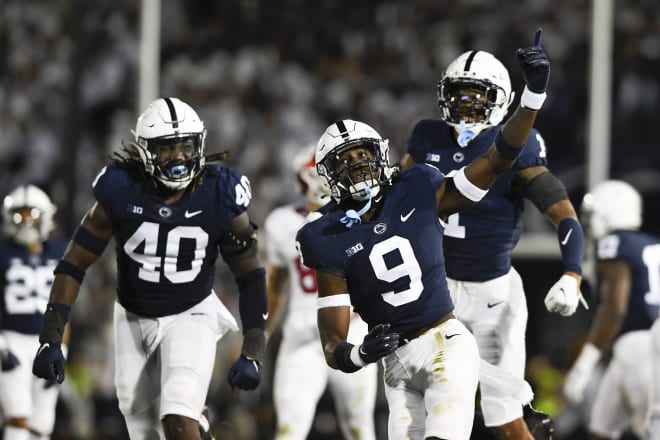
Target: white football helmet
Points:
(42, 211)
(476, 70)
(611, 205)
(311, 184)
(165, 123)
(344, 135)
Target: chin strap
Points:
(465, 135)
(352, 217)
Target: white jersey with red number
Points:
(300, 321)
(301, 373)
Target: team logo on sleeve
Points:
(133, 209)
(354, 249)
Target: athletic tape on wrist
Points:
(469, 190)
(505, 149)
(571, 244)
(532, 100)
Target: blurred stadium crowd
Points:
(267, 77)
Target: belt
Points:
(405, 338)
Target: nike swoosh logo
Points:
(191, 214)
(404, 218)
(491, 305)
(568, 235)
(451, 336)
(43, 347)
(265, 316)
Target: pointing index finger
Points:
(537, 38)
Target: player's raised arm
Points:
(470, 184)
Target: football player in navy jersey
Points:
(170, 214)
(379, 248)
(474, 95)
(627, 268)
(27, 259)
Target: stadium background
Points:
(267, 77)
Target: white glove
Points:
(564, 296)
(578, 377)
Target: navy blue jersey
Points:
(393, 264)
(641, 252)
(478, 240)
(25, 280)
(166, 254)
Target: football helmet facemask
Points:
(611, 205)
(489, 86)
(311, 184)
(28, 215)
(170, 139)
(345, 135)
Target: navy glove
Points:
(378, 344)
(244, 374)
(535, 65)
(49, 362)
(8, 360)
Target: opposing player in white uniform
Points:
(301, 373)
(27, 260)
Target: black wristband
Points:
(342, 357)
(55, 318)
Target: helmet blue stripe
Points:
(175, 119)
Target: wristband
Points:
(505, 149)
(571, 244)
(342, 357)
(532, 100)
